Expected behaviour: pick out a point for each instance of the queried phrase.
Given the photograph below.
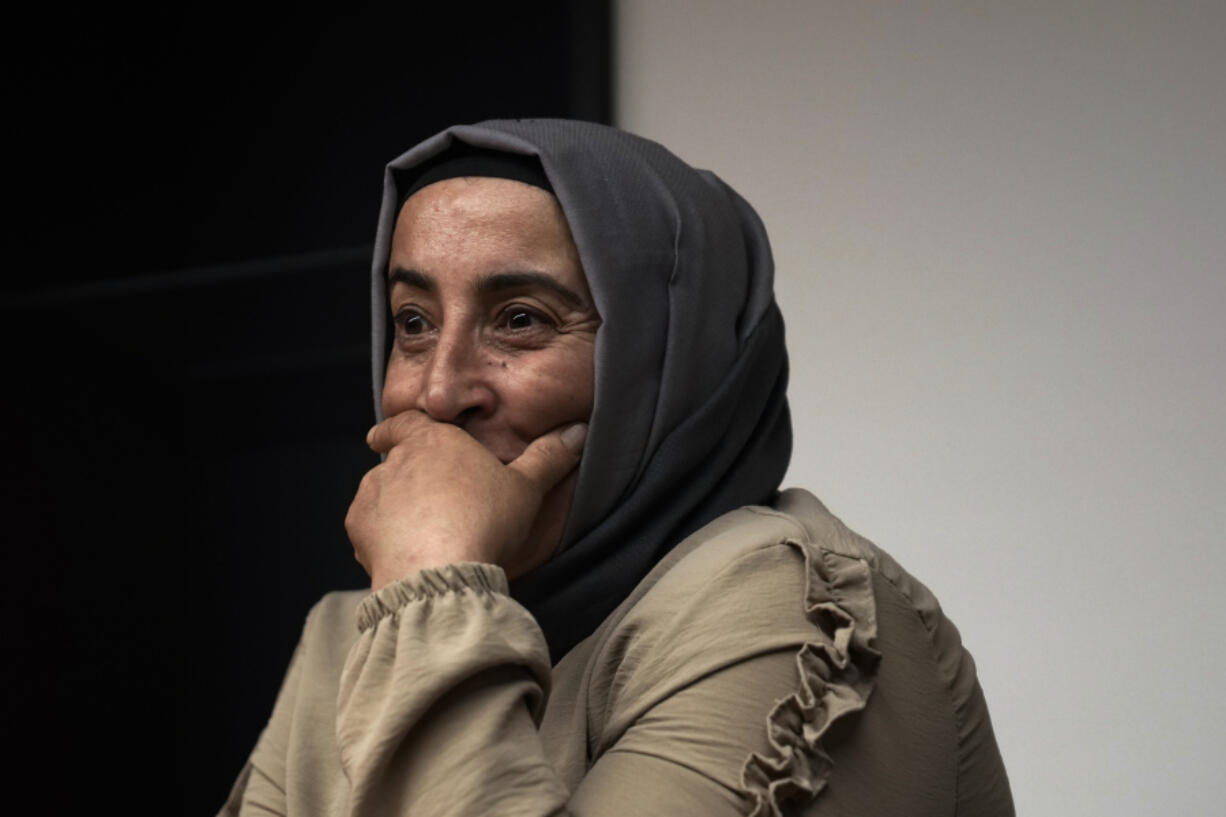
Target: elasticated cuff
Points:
(465, 577)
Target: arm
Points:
(441, 698)
(440, 701)
(294, 768)
(442, 687)
(412, 512)
(442, 694)
(260, 787)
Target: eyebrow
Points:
(497, 282)
(409, 277)
(511, 280)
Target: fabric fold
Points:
(836, 673)
(464, 577)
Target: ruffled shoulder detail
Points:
(836, 673)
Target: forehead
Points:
(480, 201)
(484, 225)
(480, 215)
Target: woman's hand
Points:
(441, 497)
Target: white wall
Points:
(1000, 233)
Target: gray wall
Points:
(1000, 232)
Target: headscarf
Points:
(690, 417)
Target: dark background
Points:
(185, 325)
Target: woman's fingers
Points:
(384, 436)
(552, 456)
(544, 463)
(441, 497)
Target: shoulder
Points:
(861, 638)
(827, 533)
(772, 564)
(750, 636)
(757, 581)
(779, 574)
(900, 615)
(926, 726)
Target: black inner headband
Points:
(465, 160)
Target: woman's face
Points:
(495, 328)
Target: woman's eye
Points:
(412, 323)
(518, 317)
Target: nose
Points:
(455, 386)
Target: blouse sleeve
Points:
(259, 789)
(440, 699)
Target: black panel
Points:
(186, 334)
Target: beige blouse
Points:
(774, 663)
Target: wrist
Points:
(403, 565)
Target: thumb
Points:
(551, 456)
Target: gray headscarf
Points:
(690, 417)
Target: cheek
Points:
(548, 394)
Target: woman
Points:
(657, 630)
